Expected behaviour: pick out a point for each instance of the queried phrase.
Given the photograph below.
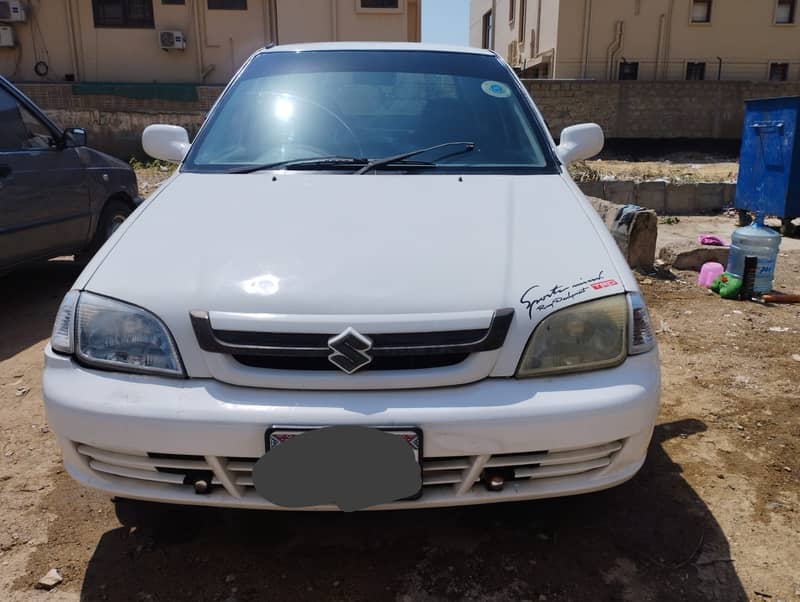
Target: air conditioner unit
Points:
(7, 37)
(12, 11)
(172, 40)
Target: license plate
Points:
(353, 467)
(412, 436)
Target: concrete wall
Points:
(624, 109)
(665, 198)
(640, 109)
(114, 124)
(580, 36)
(62, 33)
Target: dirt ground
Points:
(713, 515)
(665, 170)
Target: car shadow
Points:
(29, 300)
(652, 538)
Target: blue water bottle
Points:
(755, 240)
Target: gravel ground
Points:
(713, 515)
(678, 172)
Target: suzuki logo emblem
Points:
(349, 350)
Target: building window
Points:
(701, 11)
(486, 32)
(695, 71)
(173, 1)
(123, 13)
(512, 10)
(387, 4)
(522, 15)
(784, 11)
(227, 4)
(778, 72)
(628, 70)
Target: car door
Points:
(44, 193)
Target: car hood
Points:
(355, 245)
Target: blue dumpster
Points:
(769, 160)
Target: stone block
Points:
(729, 194)
(620, 192)
(709, 198)
(652, 195)
(689, 255)
(680, 199)
(637, 240)
(642, 237)
(592, 188)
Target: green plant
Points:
(152, 164)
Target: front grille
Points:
(234, 476)
(404, 362)
(385, 350)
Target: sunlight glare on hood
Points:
(261, 285)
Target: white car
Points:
(365, 245)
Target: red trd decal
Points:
(604, 284)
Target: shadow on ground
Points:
(650, 539)
(29, 299)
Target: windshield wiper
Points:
(375, 163)
(298, 163)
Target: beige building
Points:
(642, 39)
(169, 41)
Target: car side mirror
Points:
(74, 137)
(165, 142)
(579, 142)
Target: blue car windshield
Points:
(367, 104)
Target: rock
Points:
(637, 241)
(796, 357)
(22, 391)
(50, 580)
(691, 256)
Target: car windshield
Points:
(343, 106)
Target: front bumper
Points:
(570, 434)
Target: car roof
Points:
(367, 46)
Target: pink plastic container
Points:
(709, 273)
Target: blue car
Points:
(57, 196)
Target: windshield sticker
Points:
(496, 89)
(541, 300)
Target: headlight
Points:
(642, 337)
(588, 336)
(63, 337)
(114, 335)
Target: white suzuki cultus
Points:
(371, 283)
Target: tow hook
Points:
(495, 479)
(200, 480)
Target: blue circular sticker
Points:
(496, 89)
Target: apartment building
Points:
(642, 39)
(174, 41)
